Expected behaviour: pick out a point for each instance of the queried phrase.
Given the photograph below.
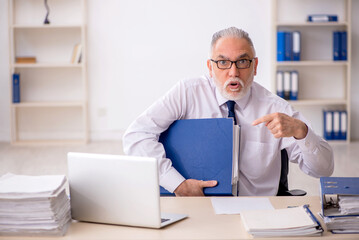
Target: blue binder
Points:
(336, 125)
(294, 80)
(328, 125)
(280, 46)
(280, 84)
(343, 125)
(336, 46)
(343, 46)
(296, 46)
(288, 46)
(16, 88)
(331, 188)
(202, 149)
(322, 18)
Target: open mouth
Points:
(234, 85)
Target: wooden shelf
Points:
(48, 104)
(313, 63)
(32, 27)
(318, 102)
(310, 24)
(49, 142)
(48, 65)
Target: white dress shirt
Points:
(259, 162)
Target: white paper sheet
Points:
(234, 205)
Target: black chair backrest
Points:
(283, 181)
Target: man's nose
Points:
(234, 71)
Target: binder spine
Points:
(296, 46)
(336, 46)
(288, 46)
(16, 88)
(280, 46)
(294, 78)
(286, 85)
(328, 125)
(343, 46)
(336, 125)
(322, 18)
(343, 125)
(280, 90)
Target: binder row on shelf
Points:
(322, 18)
(340, 203)
(335, 124)
(340, 46)
(288, 46)
(16, 88)
(287, 84)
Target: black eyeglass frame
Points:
(235, 63)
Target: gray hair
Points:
(231, 32)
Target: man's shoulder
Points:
(262, 94)
(203, 80)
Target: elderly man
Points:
(268, 123)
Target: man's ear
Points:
(255, 66)
(209, 65)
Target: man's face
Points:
(232, 83)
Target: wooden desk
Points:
(202, 223)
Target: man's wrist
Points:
(302, 131)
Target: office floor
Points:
(36, 160)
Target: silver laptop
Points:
(116, 189)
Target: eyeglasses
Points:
(227, 64)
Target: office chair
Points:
(283, 181)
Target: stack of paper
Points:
(33, 205)
(288, 222)
(340, 203)
(349, 205)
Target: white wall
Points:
(137, 50)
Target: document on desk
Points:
(234, 205)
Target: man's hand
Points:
(193, 187)
(282, 125)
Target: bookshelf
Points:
(53, 90)
(324, 84)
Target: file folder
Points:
(328, 125)
(332, 188)
(343, 125)
(322, 18)
(204, 149)
(336, 125)
(296, 46)
(16, 88)
(336, 46)
(288, 46)
(280, 90)
(286, 85)
(280, 46)
(343, 46)
(294, 78)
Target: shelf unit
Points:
(323, 83)
(53, 107)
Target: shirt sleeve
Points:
(313, 154)
(141, 138)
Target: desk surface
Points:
(202, 223)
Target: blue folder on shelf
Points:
(204, 149)
(16, 88)
(332, 188)
(336, 46)
(280, 46)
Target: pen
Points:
(306, 207)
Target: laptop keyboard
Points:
(164, 220)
